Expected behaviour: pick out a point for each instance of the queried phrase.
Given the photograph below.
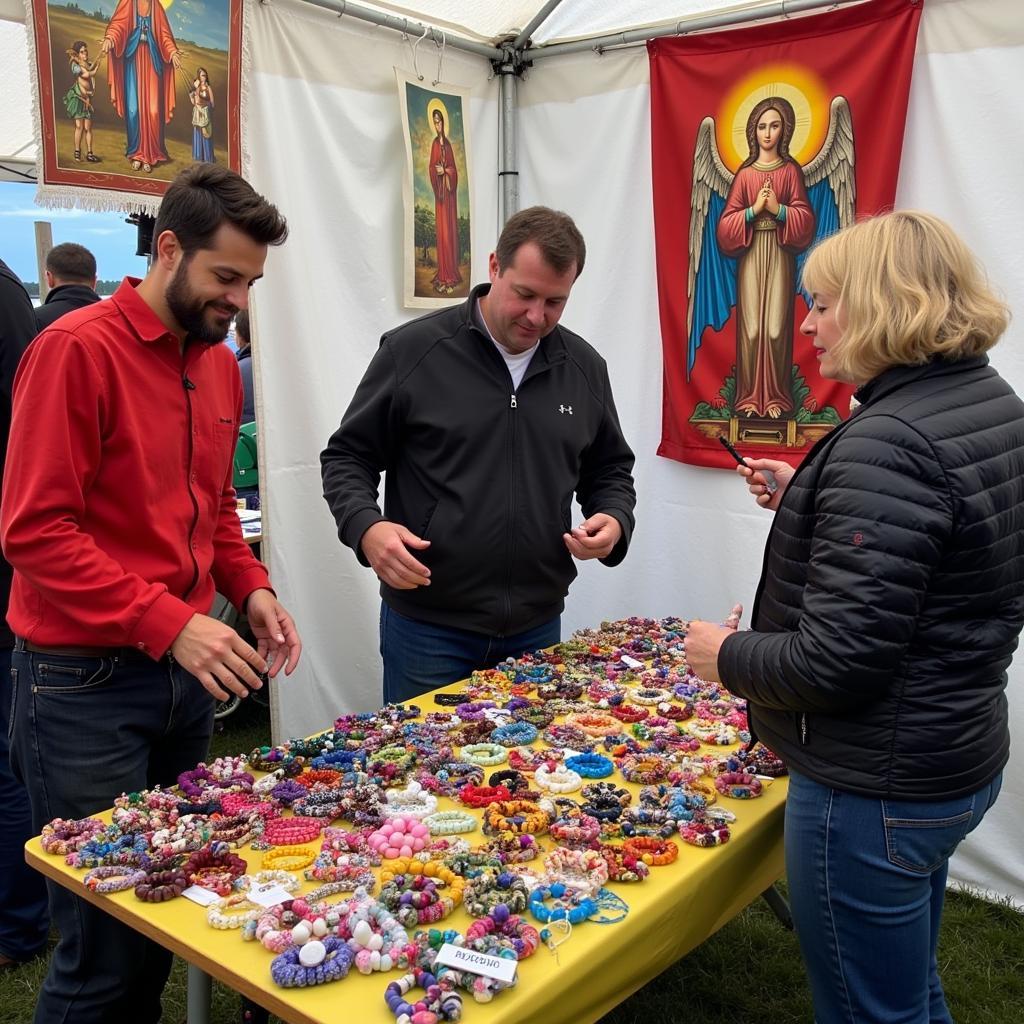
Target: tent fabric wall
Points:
(325, 143)
(335, 166)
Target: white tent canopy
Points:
(321, 113)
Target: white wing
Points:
(709, 175)
(836, 161)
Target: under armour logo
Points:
(563, 409)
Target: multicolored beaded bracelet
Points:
(218, 916)
(584, 870)
(558, 780)
(515, 734)
(704, 834)
(113, 878)
(579, 831)
(516, 816)
(440, 1002)
(491, 888)
(299, 968)
(622, 865)
(65, 835)
(645, 769)
(653, 852)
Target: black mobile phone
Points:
(769, 476)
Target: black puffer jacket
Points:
(892, 592)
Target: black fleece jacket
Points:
(485, 474)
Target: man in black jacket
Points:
(71, 278)
(24, 920)
(486, 417)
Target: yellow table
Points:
(670, 913)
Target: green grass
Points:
(747, 973)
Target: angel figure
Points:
(749, 233)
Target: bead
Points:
(312, 953)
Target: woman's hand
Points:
(757, 484)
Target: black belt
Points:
(74, 651)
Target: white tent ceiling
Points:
(477, 20)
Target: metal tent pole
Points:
(344, 8)
(779, 9)
(508, 167)
(521, 40)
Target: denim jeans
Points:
(867, 880)
(83, 731)
(421, 656)
(24, 918)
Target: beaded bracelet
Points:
(713, 733)
(653, 852)
(412, 802)
(649, 695)
(447, 823)
(289, 858)
(484, 753)
(113, 878)
(489, 889)
(516, 816)
(415, 899)
(513, 848)
(704, 834)
(739, 785)
(580, 831)
(298, 967)
(515, 734)
(606, 794)
(160, 886)
(559, 780)
(630, 713)
(584, 870)
(376, 937)
(566, 735)
(523, 937)
(590, 766)
(399, 837)
(295, 831)
(567, 907)
(440, 1001)
(644, 770)
(217, 915)
(65, 835)
(622, 865)
(595, 723)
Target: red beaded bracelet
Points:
(292, 831)
(482, 796)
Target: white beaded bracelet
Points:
(217, 918)
(559, 780)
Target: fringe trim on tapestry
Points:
(80, 197)
(249, 8)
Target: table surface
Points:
(670, 913)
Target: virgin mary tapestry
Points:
(436, 256)
(130, 92)
(765, 140)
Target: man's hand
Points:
(278, 642)
(386, 547)
(594, 537)
(703, 642)
(752, 472)
(218, 657)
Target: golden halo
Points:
(435, 104)
(804, 90)
(165, 4)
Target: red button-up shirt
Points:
(118, 510)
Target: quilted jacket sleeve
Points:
(883, 513)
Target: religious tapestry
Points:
(128, 92)
(765, 140)
(436, 255)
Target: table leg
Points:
(778, 904)
(200, 992)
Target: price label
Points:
(197, 894)
(462, 959)
(269, 894)
(631, 662)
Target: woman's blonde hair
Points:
(908, 289)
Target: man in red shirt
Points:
(119, 522)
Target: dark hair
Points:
(78, 44)
(202, 197)
(552, 231)
(788, 116)
(242, 328)
(70, 261)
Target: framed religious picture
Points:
(128, 92)
(436, 253)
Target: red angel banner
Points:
(764, 141)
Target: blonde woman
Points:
(889, 609)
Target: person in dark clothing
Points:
(24, 921)
(71, 278)
(244, 357)
(889, 607)
(486, 417)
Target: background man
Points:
(71, 278)
(119, 520)
(486, 418)
(244, 358)
(24, 920)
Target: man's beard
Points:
(190, 311)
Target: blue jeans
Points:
(421, 656)
(867, 880)
(83, 731)
(24, 919)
